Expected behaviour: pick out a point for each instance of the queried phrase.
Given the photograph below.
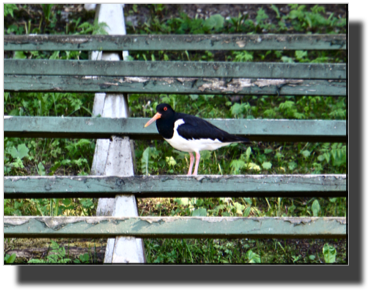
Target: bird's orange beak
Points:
(154, 118)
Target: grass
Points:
(37, 156)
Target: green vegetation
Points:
(58, 255)
(37, 156)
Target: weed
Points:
(9, 259)
(329, 253)
(57, 255)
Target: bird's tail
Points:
(241, 139)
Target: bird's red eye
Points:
(165, 108)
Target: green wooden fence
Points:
(176, 42)
(175, 77)
(97, 127)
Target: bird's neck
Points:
(166, 126)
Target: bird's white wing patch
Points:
(177, 123)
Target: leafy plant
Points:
(329, 253)
(58, 255)
(146, 159)
(253, 257)
(85, 258)
(9, 259)
(9, 8)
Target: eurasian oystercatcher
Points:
(191, 134)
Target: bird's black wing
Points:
(197, 128)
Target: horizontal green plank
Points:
(174, 227)
(176, 69)
(175, 85)
(176, 42)
(175, 186)
(97, 127)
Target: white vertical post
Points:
(115, 158)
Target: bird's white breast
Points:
(194, 145)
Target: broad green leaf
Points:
(145, 161)
(10, 258)
(54, 56)
(247, 211)
(286, 59)
(300, 54)
(18, 163)
(248, 153)
(261, 15)
(205, 155)
(215, 21)
(20, 55)
(274, 8)
(295, 14)
(236, 165)
(54, 245)
(248, 200)
(199, 212)
(329, 253)
(41, 169)
(238, 207)
(182, 201)
(86, 203)
(237, 109)
(9, 8)
(21, 152)
(315, 207)
(279, 155)
(253, 257)
(286, 105)
(266, 165)
(305, 153)
(66, 201)
(170, 161)
(321, 158)
(292, 165)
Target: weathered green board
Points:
(97, 127)
(176, 42)
(176, 69)
(175, 186)
(174, 227)
(146, 85)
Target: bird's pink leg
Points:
(197, 157)
(191, 163)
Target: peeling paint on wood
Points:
(119, 153)
(176, 69)
(176, 42)
(175, 227)
(243, 86)
(176, 186)
(98, 127)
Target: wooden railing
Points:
(185, 78)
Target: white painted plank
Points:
(116, 157)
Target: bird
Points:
(190, 134)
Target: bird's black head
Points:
(165, 110)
